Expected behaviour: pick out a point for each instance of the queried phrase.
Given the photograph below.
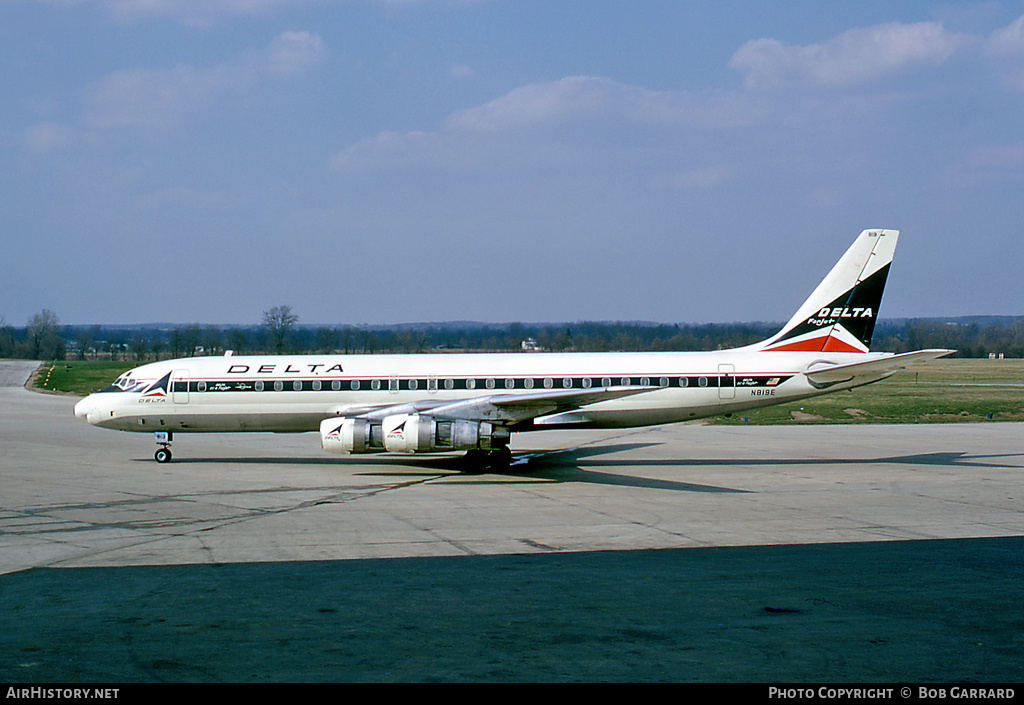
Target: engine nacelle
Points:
(410, 433)
(351, 436)
(416, 433)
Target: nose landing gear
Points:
(163, 453)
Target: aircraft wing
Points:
(499, 408)
(870, 370)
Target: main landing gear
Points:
(163, 453)
(479, 461)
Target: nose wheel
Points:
(163, 453)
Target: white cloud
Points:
(194, 13)
(160, 97)
(535, 104)
(580, 98)
(985, 165)
(163, 97)
(390, 149)
(572, 120)
(148, 97)
(460, 72)
(204, 14)
(1010, 39)
(48, 136)
(293, 52)
(1006, 48)
(855, 56)
(701, 139)
(589, 99)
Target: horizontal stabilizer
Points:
(875, 368)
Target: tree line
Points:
(45, 338)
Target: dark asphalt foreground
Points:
(917, 611)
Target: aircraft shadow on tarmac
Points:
(542, 467)
(946, 459)
(574, 465)
(569, 465)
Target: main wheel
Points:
(477, 462)
(163, 455)
(500, 458)
(474, 462)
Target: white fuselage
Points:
(296, 393)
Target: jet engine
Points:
(351, 436)
(410, 433)
(416, 433)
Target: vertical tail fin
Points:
(840, 315)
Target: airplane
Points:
(474, 402)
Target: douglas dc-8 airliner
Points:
(474, 402)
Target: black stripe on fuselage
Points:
(483, 385)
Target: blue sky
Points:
(388, 161)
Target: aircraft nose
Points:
(83, 408)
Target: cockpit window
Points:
(125, 383)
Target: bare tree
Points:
(213, 339)
(279, 322)
(139, 347)
(44, 339)
(85, 340)
(190, 337)
(6, 339)
(326, 339)
(238, 340)
(175, 341)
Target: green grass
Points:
(79, 377)
(940, 391)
